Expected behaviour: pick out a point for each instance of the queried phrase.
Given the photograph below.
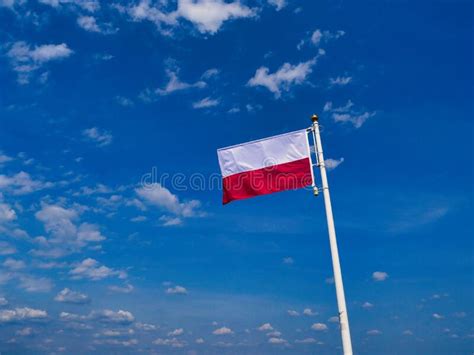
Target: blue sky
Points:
(98, 97)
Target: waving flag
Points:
(265, 166)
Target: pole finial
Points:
(314, 118)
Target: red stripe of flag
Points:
(275, 178)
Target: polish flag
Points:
(265, 166)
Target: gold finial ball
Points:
(314, 118)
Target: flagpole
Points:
(341, 300)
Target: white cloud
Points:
(288, 260)
(279, 4)
(89, 23)
(92, 270)
(71, 317)
(357, 120)
(7, 213)
(168, 221)
(176, 290)
(58, 220)
(13, 264)
(210, 73)
(176, 332)
(65, 235)
(117, 342)
(108, 316)
(346, 114)
(98, 136)
(438, 316)
(24, 332)
(50, 265)
(122, 289)
(374, 332)
(340, 80)
(143, 11)
(265, 327)
(87, 5)
(309, 312)
(173, 342)
(328, 107)
(138, 219)
(159, 196)
(274, 334)
(206, 103)
(21, 314)
(319, 36)
(293, 313)
(277, 341)
(10, 3)
(367, 305)
(174, 84)
(4, 158)
(407, 332)
(3, 301)
(209, 15)
(199, 341)
(103, 316)
(33, 284)
(124, 101)
(22, 184)
(379, 276)
(145, 326)
(222, 331)
(284, 78)
(6, 248)
(319, 326)
(332, 164)
(69, 296)
(25, 60)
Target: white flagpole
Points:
(341, 300)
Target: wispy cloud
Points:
(159, 196)
(176, 290)
(222, 331)
(22, 184)
(318, 37)
(175, 84)
(68, 296)
(284, 78)
(66, 236)
(379, 276)
(206, 103)
(92, 270)
(89, 24)
(319, 327)
(22, 314)
(374, 332)
(340, 81)
(25, 60)
(278, 4)
(100, 137)
(103, 316)
(207, 16)
(87, 5)
(347, 114)
(332, 164)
